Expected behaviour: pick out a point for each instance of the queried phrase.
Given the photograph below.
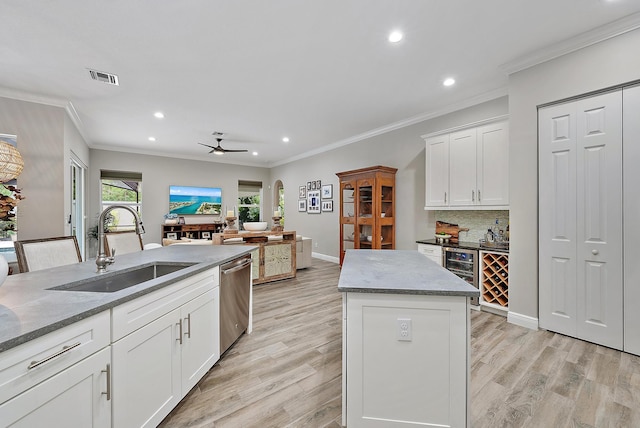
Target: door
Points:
(437, 171)
(77, 216)
(580, 217)
(631, 137)
(493, 164)
(75, 397)
(200, 337)
(147, 373)
(462, 174)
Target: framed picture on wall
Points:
(318, 184)
(302, 205)
(308, 185)
(313, 202)
(302, 192)
(206, 235)
(327, 191)
(327, 206)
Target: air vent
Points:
(100, 76)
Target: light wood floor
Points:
(287, 373)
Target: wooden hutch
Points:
(367, 209)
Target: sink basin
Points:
(116, 281)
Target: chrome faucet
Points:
(102, 261)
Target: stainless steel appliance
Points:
(235, 288)
(464, 263)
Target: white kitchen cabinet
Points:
(62, 376)
(580, 219)
(391, 382)
(468, 167)
(156, 365)
(75, 397)
(432, 252)
(437, 171)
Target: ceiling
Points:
(320, 72)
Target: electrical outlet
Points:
(404, 329)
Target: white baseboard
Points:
(325, 257)
(522, 320)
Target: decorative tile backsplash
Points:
(477, 221)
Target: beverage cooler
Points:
(463, 263)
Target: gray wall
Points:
(612, 62)
(402, 149)
(41, 142)
(159, 172)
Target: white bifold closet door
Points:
(631, 170)
(580, 219)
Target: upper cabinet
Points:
(468, 167)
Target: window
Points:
(121, 188)
(249, 201)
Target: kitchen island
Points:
(406, 332)
(124, 357)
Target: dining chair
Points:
(37, 254)
(122, 242)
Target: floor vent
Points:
(111, 79)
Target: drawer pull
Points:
(108, 372)
(64, 349)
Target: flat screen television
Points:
(187, 200)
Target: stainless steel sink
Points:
(116, 281)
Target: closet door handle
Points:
(478, 195)
(445, 197)
(473, 196)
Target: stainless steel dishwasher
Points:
(235, 288)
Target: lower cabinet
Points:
(157, 365)
(78, 396)
(432, 252)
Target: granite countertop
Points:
(468, 245)
(399, 272)
(28, 310)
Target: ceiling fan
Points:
(219, 150)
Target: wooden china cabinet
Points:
(367, 209)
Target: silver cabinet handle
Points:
(473, 196)
(64, 350)
(479, 195)
(445, 197)
(236, 268)
(595, 252)
(179, 324)
(188, 333)
(108, 372)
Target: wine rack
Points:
(495, 278)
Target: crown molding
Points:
(31, 97)
(469, 102)
(591, 37)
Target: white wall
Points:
(402, 149)
(41, 134)
(609, 63)
(159, 172)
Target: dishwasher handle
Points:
(235, 268)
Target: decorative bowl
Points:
(254, 226)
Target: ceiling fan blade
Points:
(234, 151)
(206, 145)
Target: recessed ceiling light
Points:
(255, 153)
(159, 115)
(395, 36)
(449, 81)
(152, 138)
(285, 139)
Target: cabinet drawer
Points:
(132, 315)
(430, 250)
(31, 363)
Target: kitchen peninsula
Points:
(406, 333)
(118, 357)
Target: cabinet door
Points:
(200, 337)
(277, 260)
(437, 171)
(462, 167)
(493, 164)
(146, 373)
(75, 397)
